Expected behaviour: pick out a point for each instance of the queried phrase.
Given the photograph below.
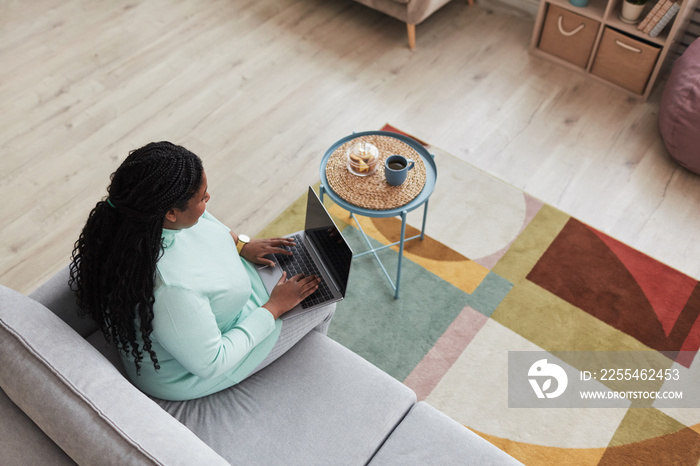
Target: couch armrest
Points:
(22, 442)
(79, 399)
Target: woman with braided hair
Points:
(173, 287)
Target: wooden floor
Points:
(260, 88)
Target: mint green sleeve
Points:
(185, 326)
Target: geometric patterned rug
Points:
(501, 271)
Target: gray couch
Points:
(64, 400)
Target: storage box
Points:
(625, 61)
(568, 36)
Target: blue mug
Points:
(396, 168)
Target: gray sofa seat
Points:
(318, 404)
(427, 436)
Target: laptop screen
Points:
(328, 241)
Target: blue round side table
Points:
(401, 211)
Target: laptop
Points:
(320, 250)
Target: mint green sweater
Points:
(209, 331)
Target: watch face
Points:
(244, 238)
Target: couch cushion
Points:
(79, 399)
(428, 436)
(318, 404)
(108, 350)
(56, 295)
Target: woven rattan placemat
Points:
(372, 191)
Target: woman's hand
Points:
(288, 293)
(257, 249)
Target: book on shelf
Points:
(665, 20)
(651, 14)
(657, 17)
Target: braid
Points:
(113, 267)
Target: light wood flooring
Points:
(260, 89)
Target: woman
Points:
(165, 281)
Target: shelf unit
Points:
(606, 13)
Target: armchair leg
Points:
(411, 28)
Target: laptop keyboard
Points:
(301, 262)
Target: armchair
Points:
(411, 12)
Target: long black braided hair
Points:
(113, 265)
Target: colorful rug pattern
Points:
(534, 279)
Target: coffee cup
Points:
(396, 168)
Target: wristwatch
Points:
(242, 241)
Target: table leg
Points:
(425, 216)
(401, 242)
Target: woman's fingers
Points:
(307, 284)
(311, 286)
